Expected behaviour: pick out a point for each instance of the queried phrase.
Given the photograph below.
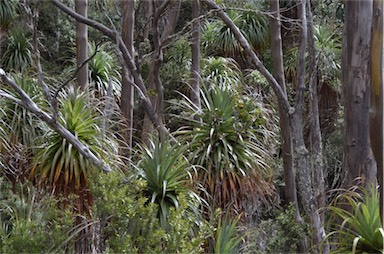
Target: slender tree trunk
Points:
(155, 85)
(301, 153)
(377, 77)
(358, 159)
(81, 7)
(127, 92)
(195, 46)
(285, 120)
(153, 75)
(316, 148)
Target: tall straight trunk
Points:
(377, 86)
(195, 46)
(81, 7)
(316, 148)
(285, 120)
(358, 159)
(301, 153)
(127, 91)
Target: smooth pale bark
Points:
(81, 7)
(127, 91)
(28, 103)
(278, 72)
(127, 62)
(358, 159)
(301, 154)
(195, 47)
(377, 85)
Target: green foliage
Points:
(223, 72)
(165, 170)
(22, 126)
(225, 238)
(31, 221)
(7, 14)
(328, 45)
(225, 142)
(218, 40)
(20, 130)
(175, 71)
(17, 56)
(280, 234)
(103, 70)
(130, 222)
(61, 166)
(360, 230)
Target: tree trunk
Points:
(376, 118)
(358, 159)
(127, 91)
(81, 7)
(155, 85)
(316, 148)
(285, 120)
(195, 46)
(300, 151)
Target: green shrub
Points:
(32, 222)
(280, 234)
(356, 224)
(129, 222)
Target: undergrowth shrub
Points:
(129, 222)
(31, 222)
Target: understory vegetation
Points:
(213, 180)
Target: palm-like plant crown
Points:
(361, 230)
(218, 40)
(165, 169)
(59, 164)
(225, 142)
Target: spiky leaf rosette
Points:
(165, 169)
(224, 140)
(360, 230)
(61, 166)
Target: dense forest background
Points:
(170, 126)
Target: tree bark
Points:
(358, 159)
(195, 47)
(377, 86)
(154, 81)
(301, 153)
(316, 148)
(127, 91)
(81, 7)
(285, 120)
